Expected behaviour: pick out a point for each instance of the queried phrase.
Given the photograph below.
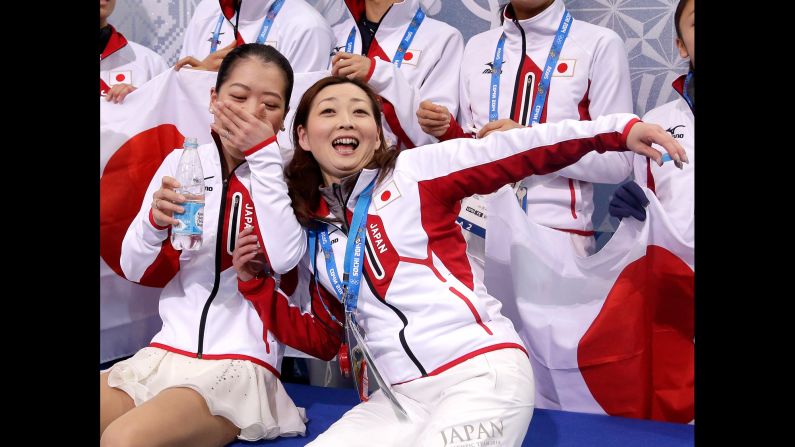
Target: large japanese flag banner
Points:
(611, 333)
(135, 137)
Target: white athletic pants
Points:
(487, 400)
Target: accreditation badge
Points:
(472, 216)
(360, 353)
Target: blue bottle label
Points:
(192, 220)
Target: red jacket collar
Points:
(356, 7)
(679, 85)
(228, 10)
(115, 43)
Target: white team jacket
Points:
(298, 31)
(591, 79)
(203, 312)
(420, 306)
(125, 62)
(429, 70)
(674, 187)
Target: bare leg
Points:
(113, 403)
(176, 416)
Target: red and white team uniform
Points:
(429, 70)
(428, 320)
(204, 315)
(674, 188)
(298, 31)
(125, 62)
(590, 79)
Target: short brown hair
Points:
(303, 173)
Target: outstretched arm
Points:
(459, 168)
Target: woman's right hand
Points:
(238, 128)
(498, 126)
(165, 202)
(210, 63)
(248, 257)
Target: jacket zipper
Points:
(518, 70)
(401, 335)
(218, 253)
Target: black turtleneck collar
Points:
(368, 29)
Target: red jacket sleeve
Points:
(318, 332)
(454, 131)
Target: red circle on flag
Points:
(562, 67)
(119, 77)
(385, 196)
(637, 357)
(121, 191)
(408, 56)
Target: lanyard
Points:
(494, 96)
(408, 36)
(263, 32)
(546, 76)
(216, 33)
(351, 40)
(687, 97)
(347, 289)
(348, 293)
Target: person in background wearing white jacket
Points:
(540, 66)
(377, 227)
(405, 56)
(212, 372)
(674, 189)
(123, 65)
(293, 27)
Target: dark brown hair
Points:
(265, 54)
(303, 173)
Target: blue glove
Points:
(628, 200)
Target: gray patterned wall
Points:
(645, 25)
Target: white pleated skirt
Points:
(246, 394)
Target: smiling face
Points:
(341, 131)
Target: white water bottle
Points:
(188, 234)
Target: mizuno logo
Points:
(337, 50)
(672, 131)
(491, 68)
(217, 42)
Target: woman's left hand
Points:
(118, 92)
(642, 135)
(238, 128)
(248, 257)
